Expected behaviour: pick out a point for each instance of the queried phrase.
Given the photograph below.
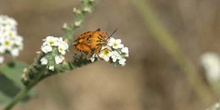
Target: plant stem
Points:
(23, 92)
(17, 98)
(39, 71)
(161, 34)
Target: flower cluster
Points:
(10, 42)
(114, 52)
(54, 48)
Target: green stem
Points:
(37, 68)
(162, 35)
(23, 92)
(17, 98)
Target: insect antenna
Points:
(113, 33)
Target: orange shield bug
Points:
(91, 42)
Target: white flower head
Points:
(114, 52)
(46, 48)
(59, 59)
(105, 54)
(115, 43)
(115, 56)
(211, 63)
(122, 61)
(62, 46)
(54, 48)
(44, 61)
(10, 41)
(51, 41)
(125, 51)
(51, 68)
(7, 21)
(94, 56)
(119, 52)
(19, 42)
(8, 32)
(7, 43)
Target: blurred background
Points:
(151, 80)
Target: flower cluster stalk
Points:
(37, 72)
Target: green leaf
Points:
(10, 80)
(4, 98)
(13, 71)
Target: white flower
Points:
(19, 42)
(62, 46)
(43, 61)
(51, 68)
(46, 48)
(125, 51)
(7, 43)
(1, 59)
(115, 56)
(122, 61)
(10, 21)
(10, 33)
(211, 62)
(5, 29)
(51, 41)
(7, 21)
(92, 59)
(105, 54)
(115, 43)
(59, 59)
